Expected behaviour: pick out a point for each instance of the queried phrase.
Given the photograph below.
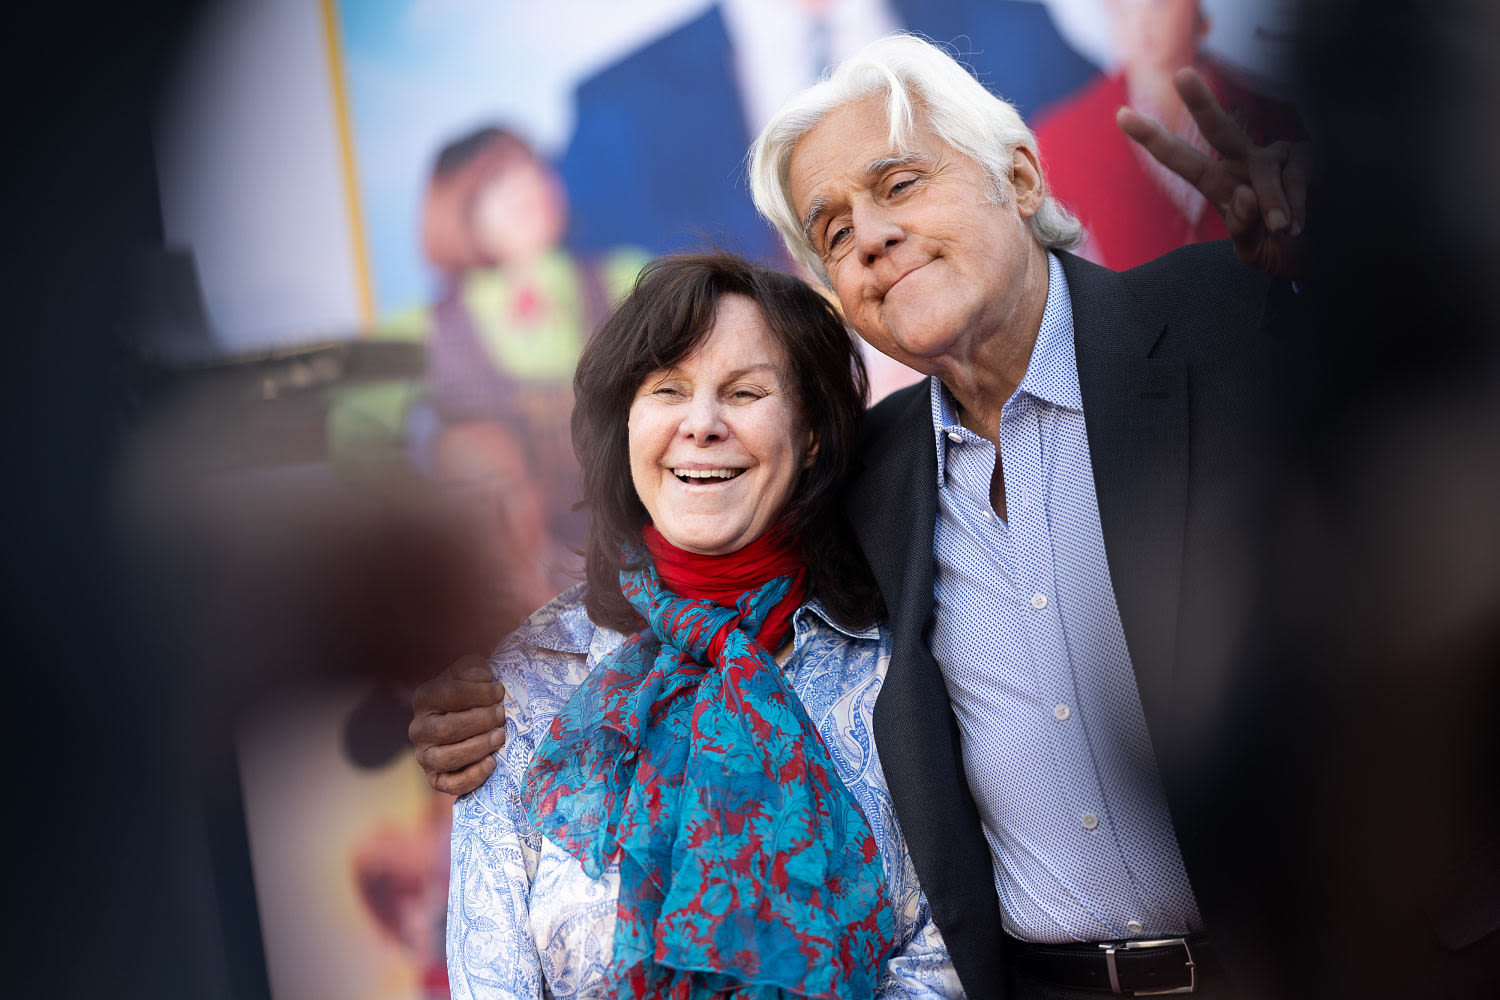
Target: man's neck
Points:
(984, 380)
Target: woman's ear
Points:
(812, 451)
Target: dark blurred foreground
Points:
(1352, 764)
(1357, 779)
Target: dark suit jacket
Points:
(1168, 361)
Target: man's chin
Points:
(923, 350)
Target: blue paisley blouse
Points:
(524, 921)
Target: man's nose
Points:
(703, 423)
(876, 232)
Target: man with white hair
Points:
(1051, 517)
(1047, 515)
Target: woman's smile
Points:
(705, 477)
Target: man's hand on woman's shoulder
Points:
(458, 722)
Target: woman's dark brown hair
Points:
(670, 312)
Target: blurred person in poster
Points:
(1132, 208)
(400, 865)
(513, 311)
(401, 872)
(726, 70)
(505, 331)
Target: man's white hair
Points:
(916, 78)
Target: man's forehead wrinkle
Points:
(880, 166)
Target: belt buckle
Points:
(1114, 976)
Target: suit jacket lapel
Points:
(893, 508)
(894, 518)
(1136, 410)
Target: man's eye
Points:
(901, 186)
(838, 236)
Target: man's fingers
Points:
(1221, 131)
(1177, 156)
(445, 693)
(1171, 151)
(1242, 216)
(429, 729)
(1295, 180)
(457, 756)
(464, 683)
(471, 667)
(1275, 199)
(459, 782)
(1265, 178)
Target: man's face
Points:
(925, 261)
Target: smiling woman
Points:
(689, 803)
(716, 440)
(770, 365)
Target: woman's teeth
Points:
(687, 475)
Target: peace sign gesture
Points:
(1261, 191)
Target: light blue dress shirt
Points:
(525, 922)
(1029, 639)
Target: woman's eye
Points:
(745, 394)
(667, 391)
(837, 237)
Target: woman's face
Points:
(718, 440)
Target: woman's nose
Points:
(704, 422)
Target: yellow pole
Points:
(364, 285)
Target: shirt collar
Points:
(1051, 374)
(814, 608)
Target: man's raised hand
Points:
(1261, 191)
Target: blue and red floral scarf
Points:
(746, 868)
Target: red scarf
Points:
(724, 579)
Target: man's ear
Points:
(1026, 181)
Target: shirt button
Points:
(1039, 601)
(1061, 713)
(955, 437)
(1133, 926)
(1090, 821)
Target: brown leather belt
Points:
(1134, 968)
